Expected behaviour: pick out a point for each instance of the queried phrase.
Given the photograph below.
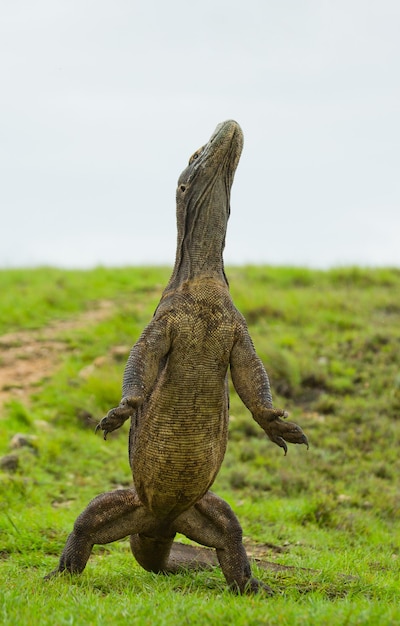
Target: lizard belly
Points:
(178, 449)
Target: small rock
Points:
(86, 418)
(43, 425)
(342, 497)
(62, 504)
(367, 504)
(90, 369)
(21, 440)
(120, 353)
(9, 462)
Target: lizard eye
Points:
(196, 154)
(193, 157)
(182, 188)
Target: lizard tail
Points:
(183, 556)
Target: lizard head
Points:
(203, 201)
(215, 160)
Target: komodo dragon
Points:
(175, 391)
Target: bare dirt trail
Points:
(28, 356)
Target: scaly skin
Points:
(175, 391)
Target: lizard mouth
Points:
(227, 130)
(228, 136)
(221, 153)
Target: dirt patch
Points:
(29, 356)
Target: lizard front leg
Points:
(140, 374)
(252, 384)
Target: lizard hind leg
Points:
(109, 517)
(212, 523)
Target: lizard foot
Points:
(59, 571)
(115, 417)
(280, 431)
(257, 586)
(52, 574)
(252, 586)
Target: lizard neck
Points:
(201, 240)
(203, 207)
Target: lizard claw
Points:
(114, 418)
(99, 427)
(279, 431)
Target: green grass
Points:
(331, 344)
(33, 298)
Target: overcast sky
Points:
(102, 103)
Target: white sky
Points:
(102, 103)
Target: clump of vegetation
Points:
(329, 517)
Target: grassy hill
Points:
(324, 522)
